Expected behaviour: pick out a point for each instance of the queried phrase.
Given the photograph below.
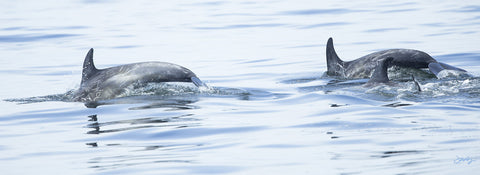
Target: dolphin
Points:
(100, 84)
(375, 65)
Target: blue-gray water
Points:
(270, 109)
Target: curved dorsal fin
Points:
(380, 74)
(88, 67)
(334, 63)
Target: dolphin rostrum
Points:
(100, 84)
(375, 65)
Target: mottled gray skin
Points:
(99, 84)
(364, 67)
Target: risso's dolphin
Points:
(99, 84)
(375, 65)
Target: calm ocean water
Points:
(270, 109)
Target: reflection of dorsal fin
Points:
(380, 73)
(88, 67)
(334, 63)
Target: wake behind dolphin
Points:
(142, 83)
(374, 65)
(100, 84)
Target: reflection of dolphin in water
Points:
(375, 65)
(98, 84)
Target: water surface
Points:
(271, 110)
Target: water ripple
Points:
(202, 132)
(469, 9)
(241, 26)
(329, 24)
(33, 37)
(320, 11)
(384, 30)
(348, 125)
(179, 133)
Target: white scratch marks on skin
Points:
(120, 80)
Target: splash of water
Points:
(452, 86)
(141, 93)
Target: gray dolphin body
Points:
(375, 65)
(99, 84)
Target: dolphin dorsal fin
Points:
(334, 63)
(88, 67)
(380, 74)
